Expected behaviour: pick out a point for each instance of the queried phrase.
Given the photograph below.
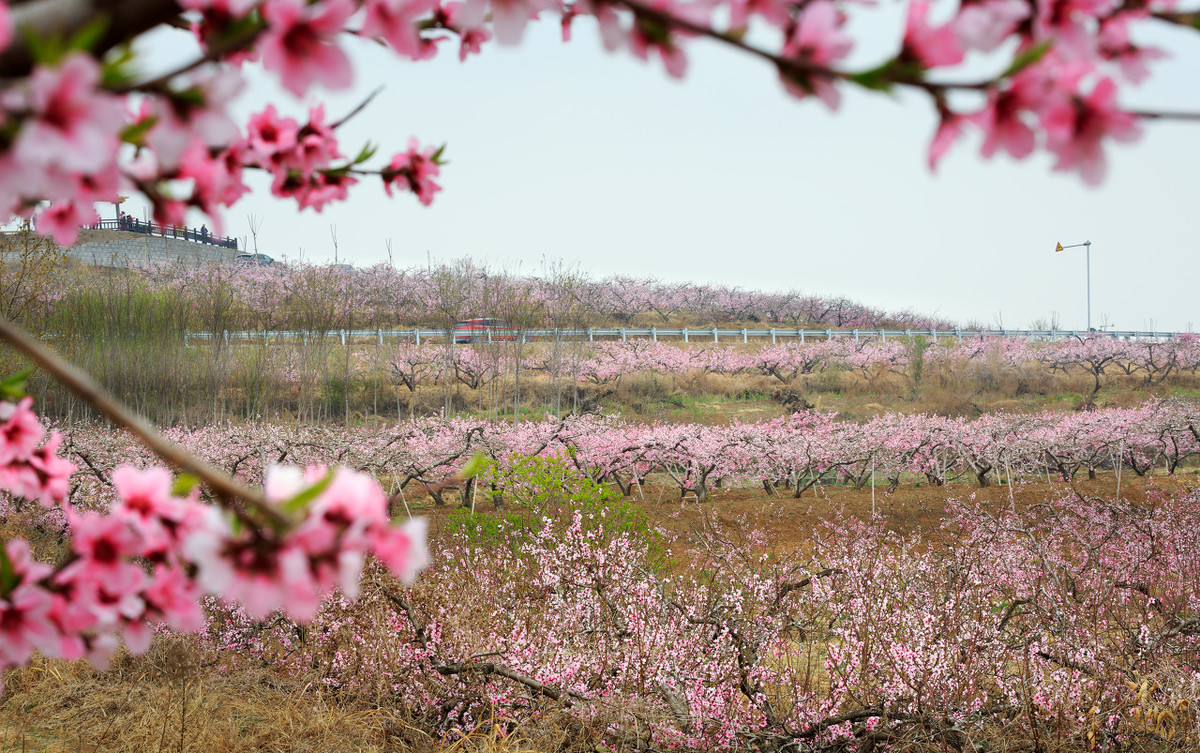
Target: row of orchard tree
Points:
(792, 453)
(322, 298)
(1152, 360)
(320, 379)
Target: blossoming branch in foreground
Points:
(82, 128)
(160, 548)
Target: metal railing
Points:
(688, 335)
(131, 225)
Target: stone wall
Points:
(118, 248)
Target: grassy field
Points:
(195, 385)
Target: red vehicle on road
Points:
(483, 331)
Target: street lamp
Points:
(1087, 245)
(117, 202)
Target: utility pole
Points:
(1087, 245)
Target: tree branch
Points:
(46, 19)
(803, 68)
(787, 588)
(225, 487)
(468, 667)
(491, 668)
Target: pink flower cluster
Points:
(150, 558)
(30, 468)
(65, 151)
(300, 158)
(416, 168)
(68, 125)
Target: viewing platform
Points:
(195, 235)
(133, 243)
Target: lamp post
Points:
(117, 202)
(1087, 245)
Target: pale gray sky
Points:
(565, 152)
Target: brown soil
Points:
(911, 510)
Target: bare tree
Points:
(30, 267)
(255, 222)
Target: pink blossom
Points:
(1068, 23)
(403, 550)
(72, 619)
(417, 169)
(282, 482)
(6, 29)
(51, 473)
(146, 502)
(167, 136)
(315, 191)
(268, 135)
(1116, 44)
(138, 636)
(471, 37)
(984, 25)
(98, 649)
(428, 49)
(175, 598)
(21, 431)
(24, 566)
(612, 34)
(342, 514)
(949, 130)
(234, 8)
(395, 21)
(471, 41)
(301, 43)
(72, 125)
(114, 597)
(62, 220)
(316, 145)
(193, 113)
(106, 591)
(219, 21)
(1003, 118)
(24, 624)
(216, 180)
(929, 45)
(649, 34)
(202, 109)
(818, 41)
(1075, 127)
(774, 12)
(509, 17)
(266, 581)
(104, 544)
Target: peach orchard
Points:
(1074, 627)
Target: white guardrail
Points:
(687, 334)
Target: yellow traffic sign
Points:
(1059, 247)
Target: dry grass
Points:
(212, 382)
(166, 701)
